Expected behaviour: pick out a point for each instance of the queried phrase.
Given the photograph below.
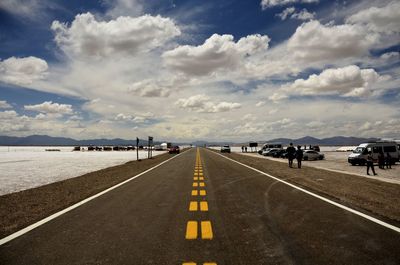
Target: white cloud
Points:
(260, 103)
(379, 19)
(49, 107)
(271, 3)
(30, 9)
(123, 36)
(286, 13)
(303, 15)
(4, 105)
(391, 56)
(290, 12)
(202, 103)
(218, 52)
(313, 41)
(350, 81)
(22, 71)
(148, 88)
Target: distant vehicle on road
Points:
(174, 150)
(225, 149)
(312, 155)
(359, 155)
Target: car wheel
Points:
(353, 164)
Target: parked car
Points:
(225, 149)
(269, 151)
(279, 153)
(174, 150)
(312, 155)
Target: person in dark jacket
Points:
(290, 154)
(388, 160)
(381, 160)
(370, 163)
(299, 156)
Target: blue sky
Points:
(190, 70)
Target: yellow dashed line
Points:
(193, 206)
(195, 178)
(195, 192)
(195, 184)
(203, 206)
(209, 263)
(192, 263)
(191, 230)
(201, 178)
(202, 184)
(203, 193)
(206, 230)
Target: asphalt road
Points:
(251, 219)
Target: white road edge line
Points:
(370, 218)
(76, 205)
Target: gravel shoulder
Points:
(20, 209)
(371, 196)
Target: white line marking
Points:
(370, 218)
(76, 205)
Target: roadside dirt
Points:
(367, 195)
(20, 209)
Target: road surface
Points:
(201, 208)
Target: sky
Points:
(226, 70)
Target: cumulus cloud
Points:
(379, 19)
(4, 105)
(148, 88)
(202, 103)
(217, 52)
(122, 36)
(271, 3)
(349, 81)
(313, 41)
(290, 12)
(49, 107)
(22, 71)
(136, 119)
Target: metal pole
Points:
(137, 149)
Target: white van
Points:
(359, 155)
(269, 146)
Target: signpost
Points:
(137, 149)
(149, 154)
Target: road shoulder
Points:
(374, 197)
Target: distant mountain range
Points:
(45, 140)
(337, 140)
(307, 140)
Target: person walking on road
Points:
(299, 156)
(290, 154)
(370, 163)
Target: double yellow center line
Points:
(198, 193)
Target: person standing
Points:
(299, 156)
(381, 160)
(388, 160)
(370, 163)
(290, 154)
